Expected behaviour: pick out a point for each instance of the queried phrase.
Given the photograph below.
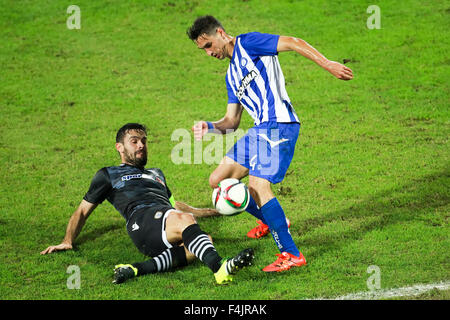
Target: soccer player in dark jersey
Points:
(159, 226)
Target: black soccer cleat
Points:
(231, 266)
(241, 260)
(123, 272)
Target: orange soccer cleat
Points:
(262, 230)
(284, 262)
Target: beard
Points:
(132, 158)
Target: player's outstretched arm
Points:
(302, 47)
(76, 223)
(229, 123)
(197, 212)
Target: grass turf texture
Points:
(369, 184)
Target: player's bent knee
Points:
(260, 190)
(253, 191)
(186, 218)
(177, 221)
(214, 180)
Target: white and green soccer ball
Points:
(231, 197)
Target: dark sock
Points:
(197, 242)
(168, 259)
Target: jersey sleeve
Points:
(231, 96)
(100, 187)
(260, 44)
(171, 197)
(169, 193)
(160, 173)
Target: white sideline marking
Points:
(392, 293)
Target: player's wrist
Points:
(210, 126)
(327, 65)
(67, 243)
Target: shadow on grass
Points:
(414, 200)
(98, 231)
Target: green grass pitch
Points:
(368, 186)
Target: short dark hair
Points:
(129, 126)
(202, 25)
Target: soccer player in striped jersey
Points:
(159, 226)
(255, 82)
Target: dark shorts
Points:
(146, 227)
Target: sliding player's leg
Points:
(182, 226)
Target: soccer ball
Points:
(231, 197)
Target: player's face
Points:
(213, 45)
(134, 148)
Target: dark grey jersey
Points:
(126, 187)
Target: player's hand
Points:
(339, 70)
(200, 129)
(59, 247)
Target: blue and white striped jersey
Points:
(255, 80)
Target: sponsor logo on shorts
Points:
(273, 144)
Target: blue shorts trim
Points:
(267, 150)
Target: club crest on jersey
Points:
(160, 181)
(245, 83)
(243, 62)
